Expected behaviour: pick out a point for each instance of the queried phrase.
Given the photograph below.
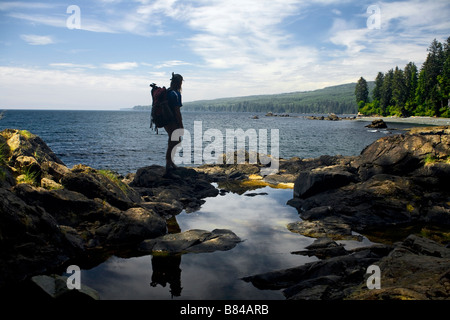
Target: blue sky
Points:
(105, 57)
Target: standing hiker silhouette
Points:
(174, 101)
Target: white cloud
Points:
(120, 66)
(172, 63)
(6, 6)
(40, 19)
(235, 47)
(37, 40)
(69, 65)
(407, 29)
(247, 43)
(69, 89)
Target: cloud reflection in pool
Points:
(260, 221)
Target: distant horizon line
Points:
(193, 101)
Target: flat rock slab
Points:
(417, 269)
(55, 286)
(330, 227)
(192, 241)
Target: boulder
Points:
(25, 144)
(393, 182)
(323, 248)
(330, 227)
(183, 188)
(31, 241)
(417, 269)
(134, 225)
(100, 184)
(96, 221)
(329, 279)
(402, 154)
(55, 286)
(192, 241)
(321, 179)
(377, 124)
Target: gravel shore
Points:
(415, 120)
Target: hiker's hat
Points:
(176, 77)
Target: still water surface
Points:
(122, 141)
(260, 221)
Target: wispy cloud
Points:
(68, 65)
(37, 40)
(406, 29)
(11, 5)
(119, 66)
(31, 87)
(226, 47)
(172, 63)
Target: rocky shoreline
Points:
(53, 216)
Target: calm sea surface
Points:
(122, 141)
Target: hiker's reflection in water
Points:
(166, 269)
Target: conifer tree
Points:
(376, 93)
(362, 91)
(386, 92)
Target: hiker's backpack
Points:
(161, 114)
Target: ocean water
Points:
(122, 141)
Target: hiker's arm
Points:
(178, 117)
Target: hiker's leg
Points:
(169, 161)
(170, 146)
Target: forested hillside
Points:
(336, 99)
(411, 92)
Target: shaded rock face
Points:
(30, 239)
(330, 279)
(392, 182)
(417, 268)
(400, 180)
(55, 287)
(183, 189)
(79, 209)
(93, 184)
(62, 214)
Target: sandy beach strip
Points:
(415, 120)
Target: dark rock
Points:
(391, 183)
(192, 241)
(318, 180)
(330, 227)
(94, 219)
(323, 248)
(134, 225)
(404, 153)
(330, 279)
(93, 184)
(333, 117)
(163, 209)
(184, 191)
(417, 268)
(377, 124)
(252, 194)
(54, 170)
(55, 286)
(24, 143)
(31, 242)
